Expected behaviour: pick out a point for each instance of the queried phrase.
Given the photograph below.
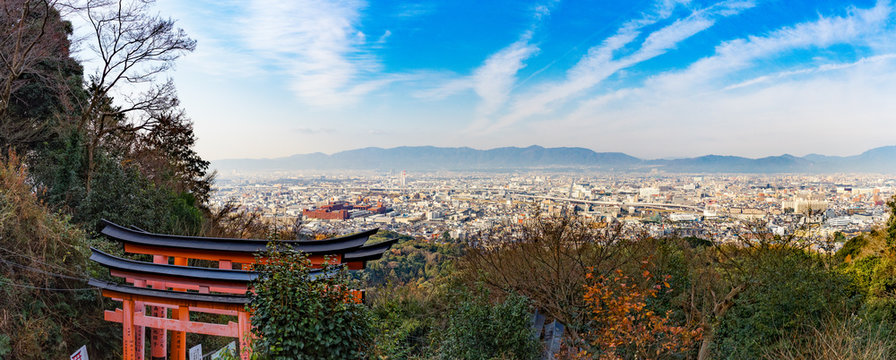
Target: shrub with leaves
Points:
(295, 316)
(794, 292)
(478, 329)
(406, 317)
(623, 324)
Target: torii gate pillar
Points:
(158, 337)
(127, 322)
(179, 338)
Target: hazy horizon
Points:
(523, 147)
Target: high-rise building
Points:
(404, 178)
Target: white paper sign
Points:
(81, 354)
(229, 349)
(196, 352)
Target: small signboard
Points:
(229, 349)
(81, 354)
(196, 352)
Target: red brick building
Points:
(341, 210)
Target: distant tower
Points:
(404, 178)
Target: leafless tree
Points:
(546, 259)
(230, 221)
(132, 48)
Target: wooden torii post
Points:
(181, 289)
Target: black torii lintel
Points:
(336, 245)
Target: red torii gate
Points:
(161, 286)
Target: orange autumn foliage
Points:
(623, 324)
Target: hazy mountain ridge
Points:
(878, 160)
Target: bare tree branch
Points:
(132, 48)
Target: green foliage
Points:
(669, 257)
(58, 167)
(410, 291)
(405, 320)
(875, 276)
(870, 262)
(880, 310)
(851, 248)
(4, 345)
(850, 338)
(891, 224)
(695, 242)
(184, 215)
(793, 292)
(166, 154)
(116, 167)
(412, 261)
(42, 255)
(478, 329)
(863, 272)
(297, 317)
(120, 192)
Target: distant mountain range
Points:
(878, 160)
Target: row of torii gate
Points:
(160, 295)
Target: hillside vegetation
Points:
(79, 145)
(653, 298)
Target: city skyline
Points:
(653, 79)
(431, 204)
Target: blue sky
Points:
(650, 78)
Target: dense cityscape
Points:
(457, 205)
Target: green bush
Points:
(851, 248)
(794, 293)
(478, 329)
(862, 271)
(297, 317)
(412, 261)
(404, 323)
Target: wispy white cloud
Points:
(494, 80)
(709, 74)
(317, 47)
(739, 54)
(599, 63)
(835, 109)
(318, 44)
(219, 51)
(728, 101)
(765, 79)
(382, 39)
(711, 100)
(412, 10)
(543, 10)
(449, 85)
